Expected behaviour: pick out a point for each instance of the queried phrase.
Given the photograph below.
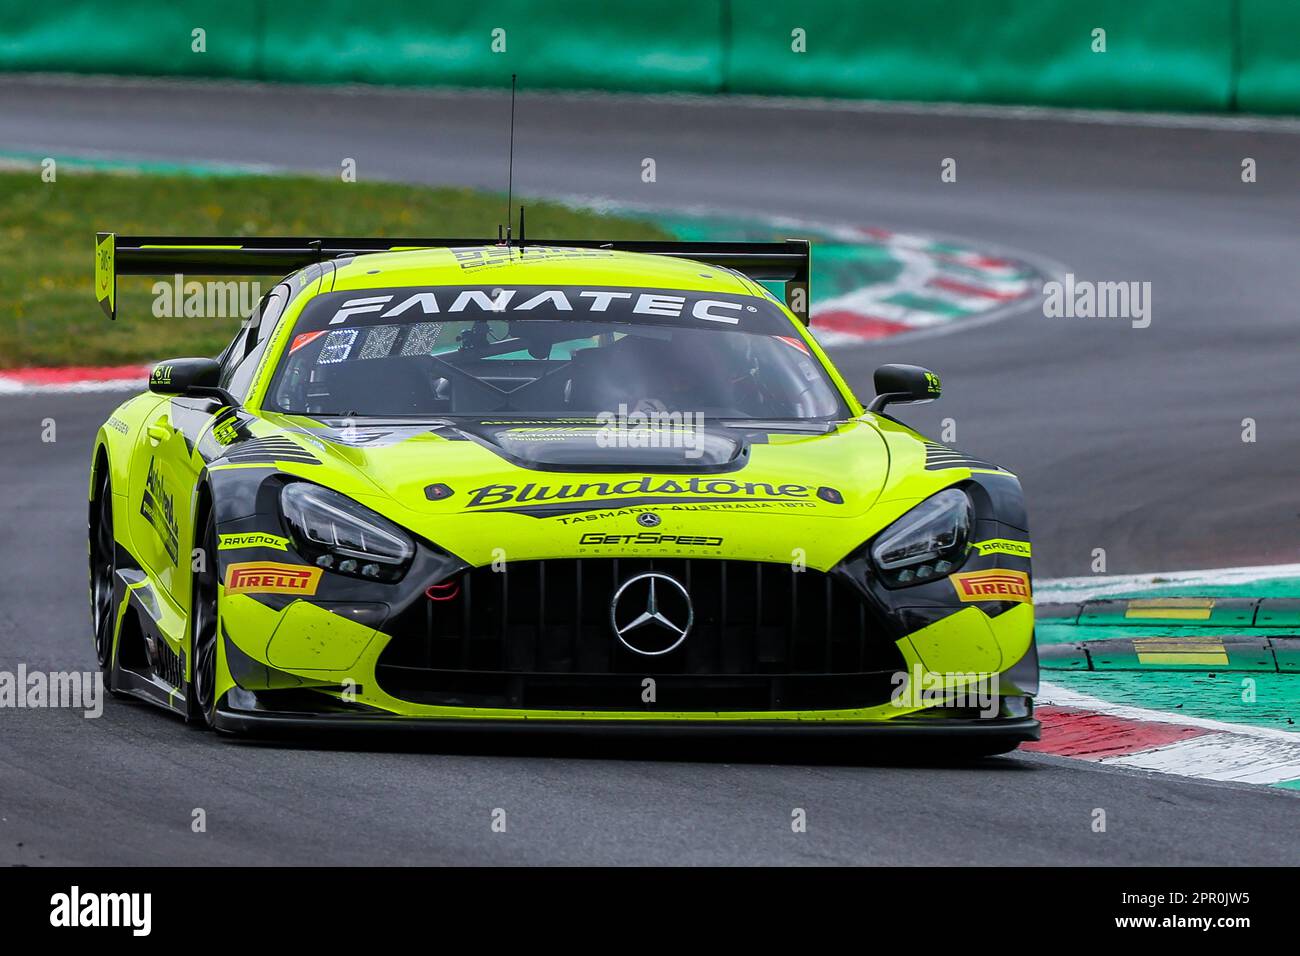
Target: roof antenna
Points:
(510, 174)
(521, 227)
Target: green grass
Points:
(48, 313)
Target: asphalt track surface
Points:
(1126, 439)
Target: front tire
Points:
(103, 571)
(200, 691)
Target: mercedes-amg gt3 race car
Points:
(456, 483)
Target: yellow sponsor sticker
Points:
(252, 539)
(1182, 609)
(105, 285)
(1019, 549)
(269, 577)
(995, 584)
(225, 432)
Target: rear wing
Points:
(786, 261)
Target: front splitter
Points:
(263, 723)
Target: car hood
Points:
(529, 490)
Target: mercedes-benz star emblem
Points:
(651, 614)
(648, 519)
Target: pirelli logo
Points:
(996, 584)
(269, 577)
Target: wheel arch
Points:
(111, 461)
(203, 503)
(99, 466)
(203, 499)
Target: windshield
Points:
(549, 352)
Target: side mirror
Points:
(903, 384)
(189, 376)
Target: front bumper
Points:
(773, 645)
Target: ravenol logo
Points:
(253, 539)
(993, 585)
(1020, 549)
(269, 577)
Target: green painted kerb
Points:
(1222, 652)
(1255, 699)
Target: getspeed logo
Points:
(652, 537)
(694, 487)
(269, 577)
(993, 585)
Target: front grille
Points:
(537, 634)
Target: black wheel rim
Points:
(204, 644)
(102, 555)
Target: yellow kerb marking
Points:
(1185, 609)
(1208, 651)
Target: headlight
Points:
(338, 534)
(926, 543)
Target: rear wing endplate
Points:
(787, 261)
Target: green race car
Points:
(457, 483)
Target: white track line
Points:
(1088, 588)
(1058, 696)
(1231, 757)
(12, 387)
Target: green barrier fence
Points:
(578, 44)
(132, 37)
(1268, 78)
(1158, 54)
(1165, 54)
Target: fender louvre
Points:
(265, 450)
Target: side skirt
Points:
(144, 665)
